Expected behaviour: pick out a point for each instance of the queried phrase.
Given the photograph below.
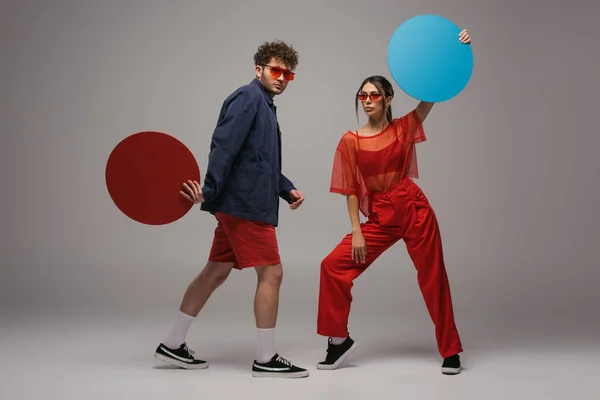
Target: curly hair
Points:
(279, 50)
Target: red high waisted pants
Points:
(402, 212)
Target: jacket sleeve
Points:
(235, 121)
(285, 187)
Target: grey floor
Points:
(101, 357)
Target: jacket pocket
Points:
(251, 190)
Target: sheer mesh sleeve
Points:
(411, 128)
(410, 131)
(344, 178)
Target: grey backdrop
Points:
(510, 166)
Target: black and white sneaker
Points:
(451, 365)
(181, 357)
(277, 367)
(337, 353)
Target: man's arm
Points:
(227, 140)
(285, 187)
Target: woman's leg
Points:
(424, 245)
(338, 272)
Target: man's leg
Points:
(266, 305)
(255, 245)
(268, 362)
(174, 349)
(194, 299)
(221, 260)
(203, 286)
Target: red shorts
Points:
(243, 242)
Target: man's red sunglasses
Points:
(277, 71)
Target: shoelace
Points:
(330, 345)
(284, 361)
(190, 352)
(331, 348)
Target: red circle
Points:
(144, 174)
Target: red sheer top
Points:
(367, 164)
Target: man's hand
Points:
(192, 192)
(297, 199)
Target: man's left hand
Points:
(297, 199)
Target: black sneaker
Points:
(181, 357)
(451, 365)
(277, 367)
(336, 353)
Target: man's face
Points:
(274, 76)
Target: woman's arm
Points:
(359, 248)
(353, 212)
(423, 109)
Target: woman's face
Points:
(372, 101)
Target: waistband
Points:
(402, 184)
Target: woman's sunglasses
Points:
(372, 96)
(277, 71)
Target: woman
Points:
(373, 167)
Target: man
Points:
(241, 189)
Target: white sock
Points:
(338, 340)
(265, 345)
(177, 336)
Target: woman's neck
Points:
(375, 126)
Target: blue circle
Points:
(427, 59)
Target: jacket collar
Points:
(264, 92)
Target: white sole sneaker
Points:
(335, 365)
(299, 374)
(180, 364)
(451, 371)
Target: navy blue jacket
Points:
(243, 177)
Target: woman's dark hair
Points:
(384, 86)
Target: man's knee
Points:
(272, 274)
(216, 273)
